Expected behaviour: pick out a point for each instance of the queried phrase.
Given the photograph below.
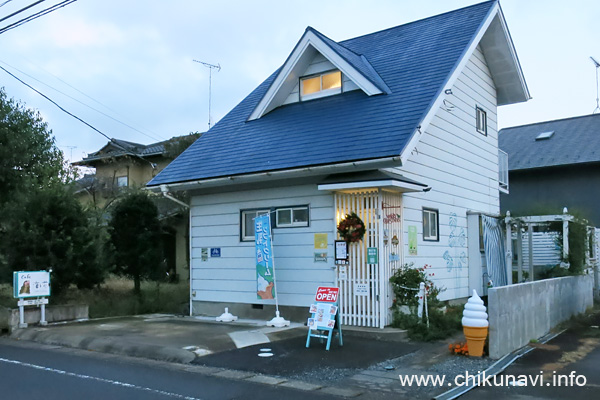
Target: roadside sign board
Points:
(31, 284)
(325, 315)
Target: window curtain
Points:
(493, 244)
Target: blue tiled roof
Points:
(414, 60)
(575, 140)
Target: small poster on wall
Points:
(412, 240)
(320, 247)
(341, 252)
(320, 241)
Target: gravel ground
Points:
(432, 359)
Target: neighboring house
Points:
(552, 165)
(398, 126)
(120, 165)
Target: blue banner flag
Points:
(264, 258)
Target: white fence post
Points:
(508, 249)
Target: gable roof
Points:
(352, 65)
(415, 61)
(575, 140)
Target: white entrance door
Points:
(365, 288)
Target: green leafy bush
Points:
(442, 323)
(407, 278)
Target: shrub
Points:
(407, 278)
(441, 324)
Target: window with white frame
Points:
(481, 120)
(247, 228)
(431, 224)
(321, 85)
(291, 217)
(285, 217)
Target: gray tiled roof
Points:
(575, 140)
(118, 147)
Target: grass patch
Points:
(115, 297)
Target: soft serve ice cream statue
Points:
(475, 324)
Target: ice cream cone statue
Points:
(475, 325)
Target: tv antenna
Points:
(71, 148)
(597, 64)
(210, 68)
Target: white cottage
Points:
(398, 126)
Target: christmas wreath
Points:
(352, 228)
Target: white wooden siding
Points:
(319, 64)
(232, 277)
(546, 250)
(461, 166)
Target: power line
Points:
(84, 94)
(36, 15)
(82, 103)
(5, 3)
(112, 140)
(21, 10)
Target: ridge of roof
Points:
(547, 122)
(416, 21)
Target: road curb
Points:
(159, 353)
(105, 345)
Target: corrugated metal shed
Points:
(414, 60)
(575, 140)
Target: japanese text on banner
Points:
(264, 254)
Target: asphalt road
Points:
(32, 371)
(567, 367)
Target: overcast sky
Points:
(133, 60)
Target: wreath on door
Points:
(351, 229)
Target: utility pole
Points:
(597, 64)
(210, 68)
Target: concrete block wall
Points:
(519, 313)
(9, 317)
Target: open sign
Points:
(327, 294)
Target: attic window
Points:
(321, 85)
(545, 135)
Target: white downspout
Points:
(165, 192)
(164, 189)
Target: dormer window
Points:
(325, 84)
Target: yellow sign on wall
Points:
(320, 241)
